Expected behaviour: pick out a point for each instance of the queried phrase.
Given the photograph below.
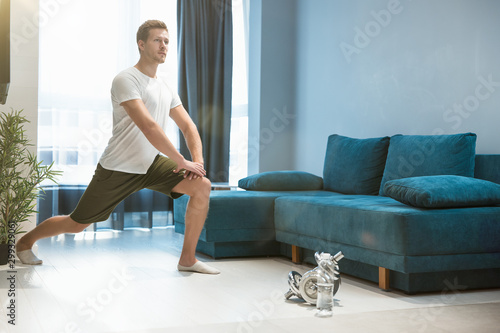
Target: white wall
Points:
(416, 67)
(23, 92)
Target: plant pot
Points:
(4, 254)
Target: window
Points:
(82, 48)
(238, 151)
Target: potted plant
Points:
(20, 178)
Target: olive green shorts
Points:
(108, 188)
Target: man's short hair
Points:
(143, 31)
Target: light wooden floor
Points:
(127, 281)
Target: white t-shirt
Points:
(128, 149)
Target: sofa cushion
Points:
(282, 181)
(429, 155)
(239, 215)
(385, 225)
(443, 191)
(354, 166)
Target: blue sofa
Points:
(414, 213)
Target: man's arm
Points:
(155, 135)
(190, 132)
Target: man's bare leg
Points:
(196, 214)
(53, 226)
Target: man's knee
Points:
(205, 187)
(199, 189)
(207, 184)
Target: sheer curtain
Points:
(83, 45)
(238, 151)
(82, 48)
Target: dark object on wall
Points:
(4, 49)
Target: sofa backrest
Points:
(429, 155)
(487, 167)
(354, 166)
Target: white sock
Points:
(199, 267)
(27, 257)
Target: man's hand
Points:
(193, 169)
(190, 175)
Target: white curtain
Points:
(83, 45)
(238, 150)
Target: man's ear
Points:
(140, 44)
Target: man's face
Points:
(156, 47)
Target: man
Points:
(142, 104)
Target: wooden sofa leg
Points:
(383, 278)
(296, 254)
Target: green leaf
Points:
(20, 173)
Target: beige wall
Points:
(23, 92)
